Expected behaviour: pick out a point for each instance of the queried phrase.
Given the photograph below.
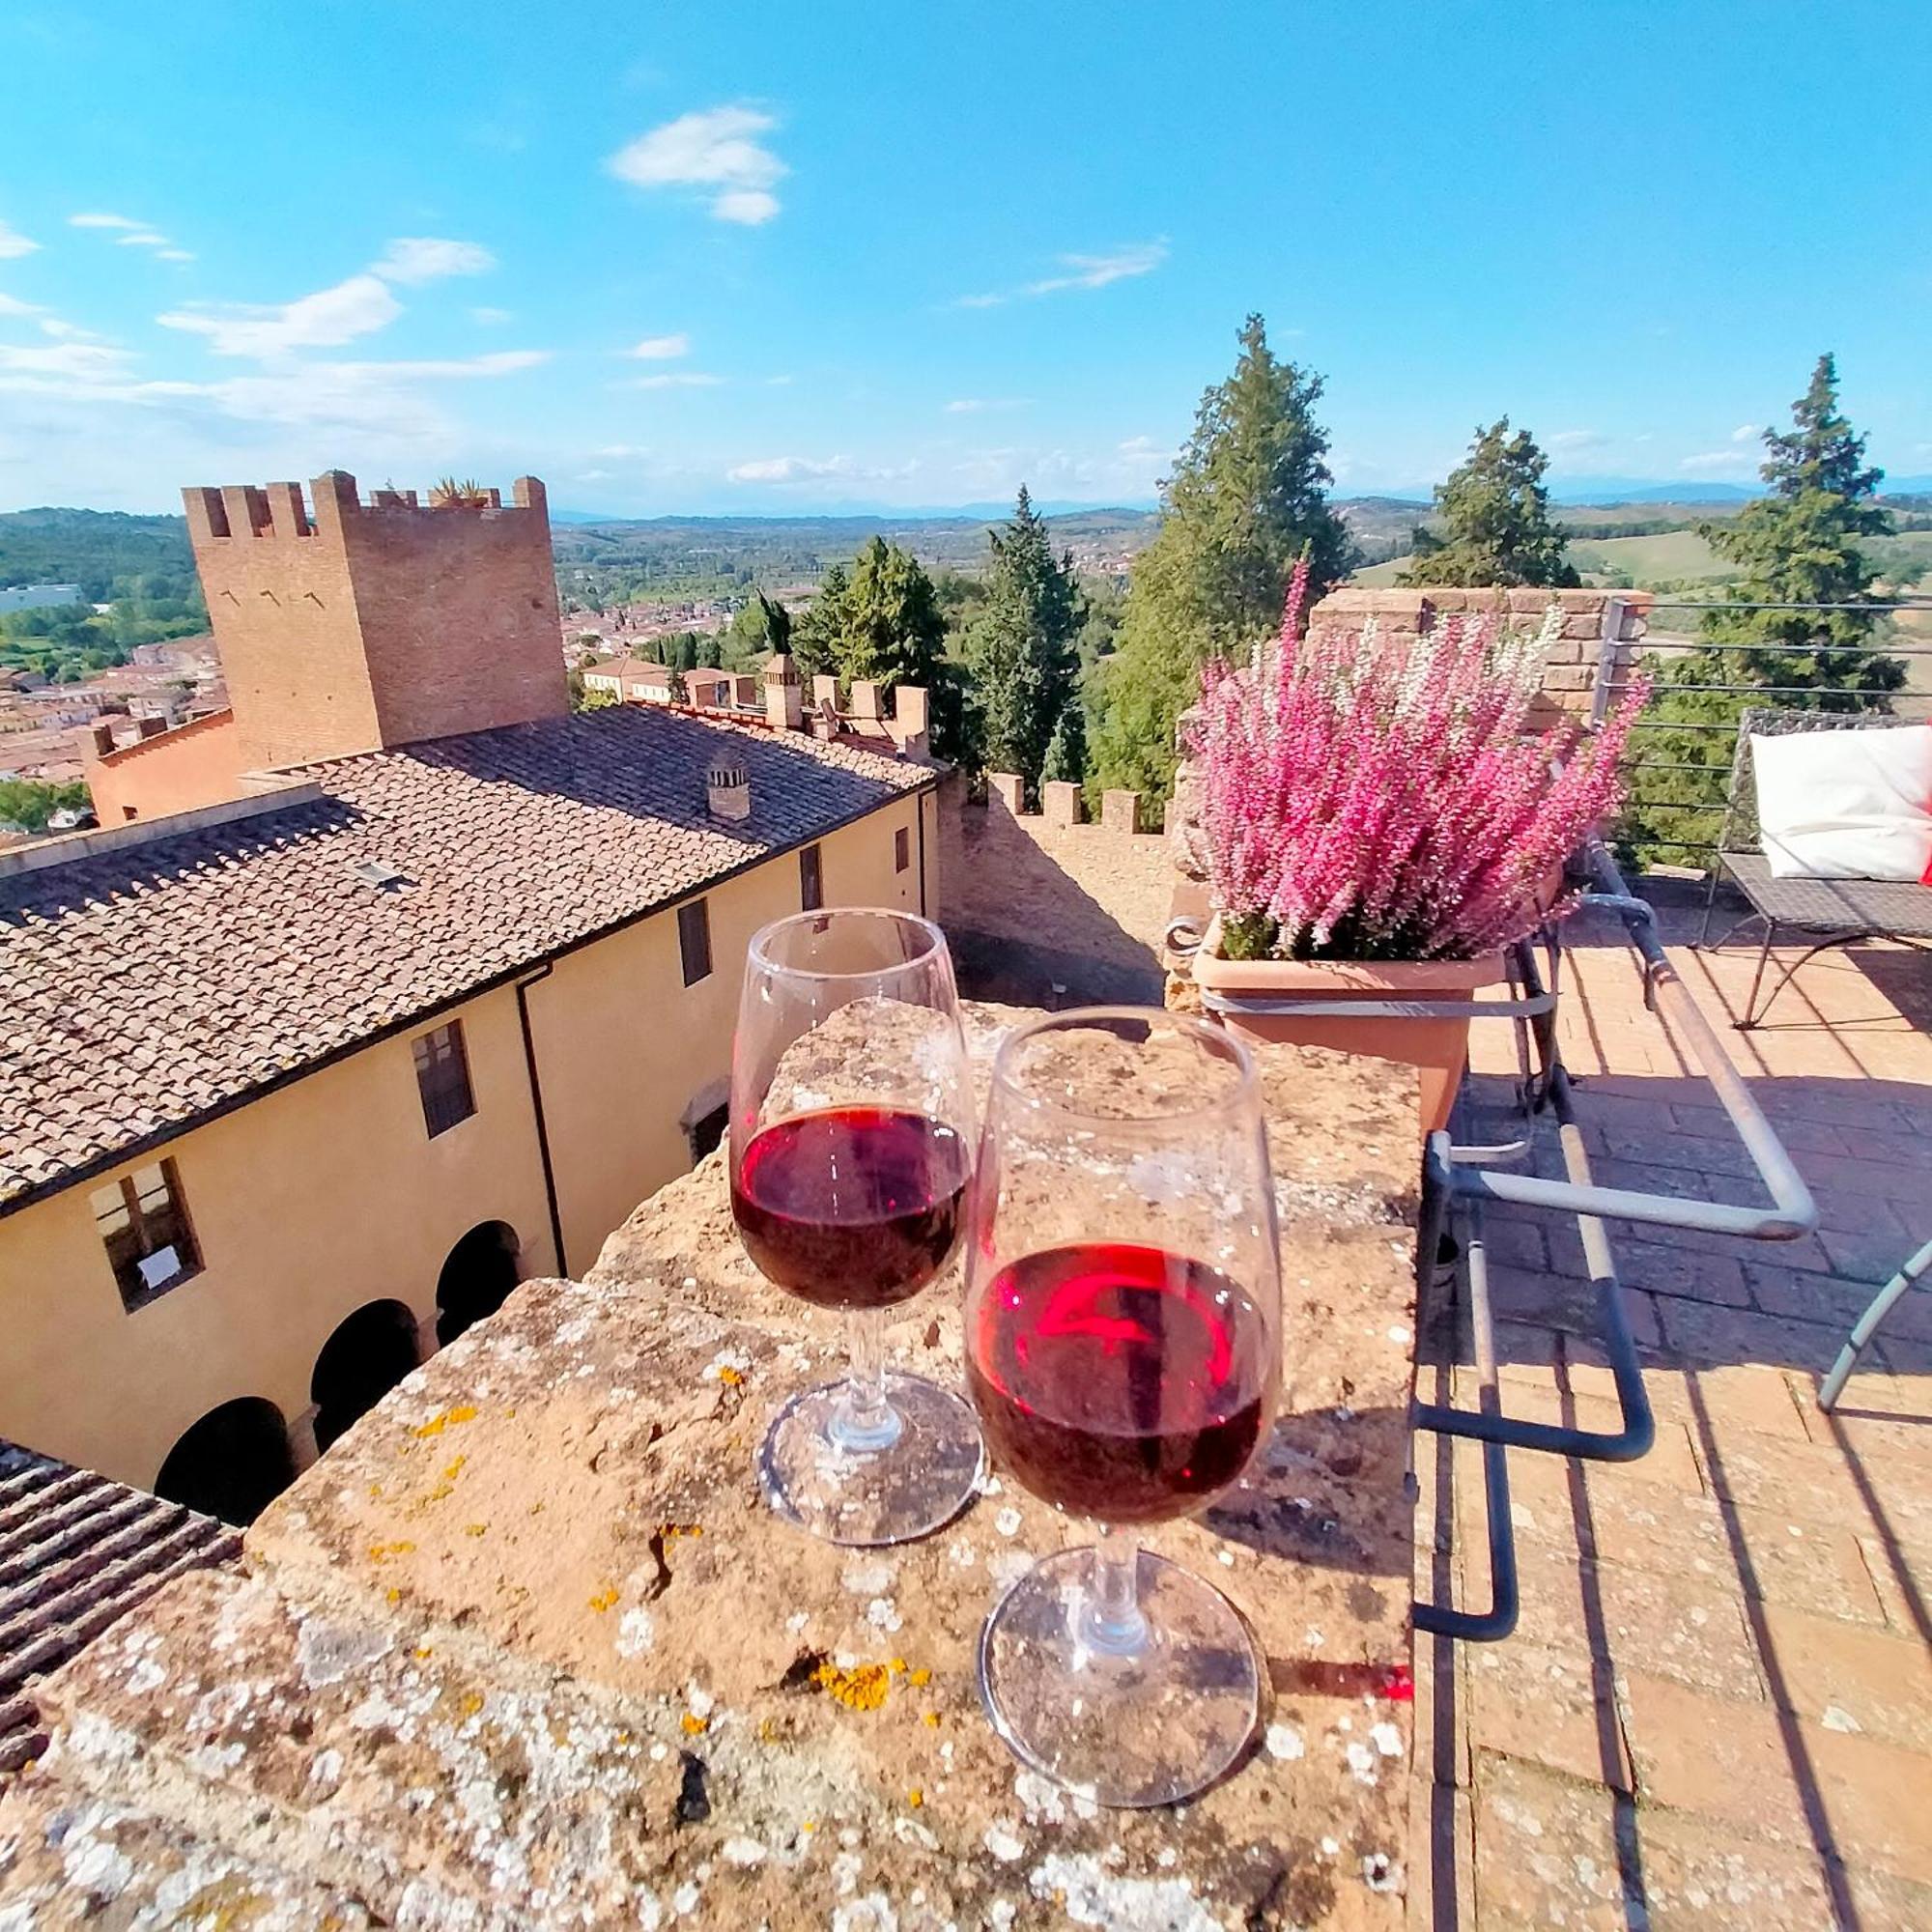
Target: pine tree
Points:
(1067, 755)
(1245, 502)
(1019, 650)
(759, 628)
(1497, 515)
(1803, 543)
(814, 637)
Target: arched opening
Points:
(232, 1463)
(370, 1352)
(477, 1279)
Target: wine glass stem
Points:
(1111, 1620)
(864, 1421)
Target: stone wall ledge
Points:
(526, 1648)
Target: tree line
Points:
(1032, 671)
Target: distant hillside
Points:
(91, 548)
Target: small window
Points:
(694, 940)
(811, 880)
(143, 1224)
(442, 1078)
(901, 849)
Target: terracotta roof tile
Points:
(142, 987)
(77, 1551)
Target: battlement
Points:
(279, 510)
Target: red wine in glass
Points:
(851, 1208)
(1119, 1381)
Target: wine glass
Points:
(1123, 1351)
(851, 1150)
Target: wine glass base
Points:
(1149, 1728)
(921, 1480)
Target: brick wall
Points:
(1570, 669)
(375, 623)
(193, 765)
(1039, 899)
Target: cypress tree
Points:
(1496, 512)
(1245, 502)
(1019, 650)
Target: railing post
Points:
(1608, 648)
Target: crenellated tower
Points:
(345, 626)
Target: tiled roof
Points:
(76, 1551)
(142, 987)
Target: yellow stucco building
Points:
(295, 1086)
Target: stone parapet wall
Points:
(1570, 669)
(1048, 906)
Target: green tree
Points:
(1245, 501)
(1804, 543)
(29, 803)
(1496, 515)
(1067, 755)
(759, 627)
(815, 637)
(1019, 650)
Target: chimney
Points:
(825, 694)
(865, 700)
(728, 790)
(104, 739)
(151, 727)
(785, 696)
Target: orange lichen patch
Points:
(898, 1665)
(476, 1529)
(380, 1552)
(375, 1491)
(450, 1474)
(394, 1595)
(604, 1599)
(809, 1825)
(695, 1726)
(472, 1704)
(537, 1508)
(668, 1530)
(919, 1676)
(862, 1687)
(437, 1424)
(914, 1798)
(929, 1718)
(729, 1375)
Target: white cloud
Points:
(811, 469)
(134, 235)
(1719, 463)
(1747, 431)
(325, 320)
(661, 348)
(1577, 439)
(715, 149)
(1082, 271)
(12, 242)
(491, 318)
(13, 306)
(84, 361)
(413, 259)
(614, 450)
(973, 406)
(690, 379)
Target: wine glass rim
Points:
(760, 956)
(1216, 1040)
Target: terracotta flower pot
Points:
(1438, 1047)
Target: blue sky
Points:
(767, 257)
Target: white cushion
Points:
(1846, 804)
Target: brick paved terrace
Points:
(1716, 1710)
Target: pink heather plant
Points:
(1367, 799)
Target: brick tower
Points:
(378, 623)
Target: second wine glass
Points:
(851, 1150)
(1124, 1350)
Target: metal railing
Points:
(1686, 830)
